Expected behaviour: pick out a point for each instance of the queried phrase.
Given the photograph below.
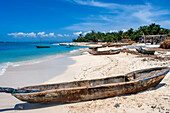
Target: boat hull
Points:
(148, 52)
(43, 46)
(105, 52)
(90, 93)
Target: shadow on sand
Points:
(30, 106)
(159, 86)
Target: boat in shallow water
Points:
(109, 52)
(84, 90)
(43, 46)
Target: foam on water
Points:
(4, 66)
(16, 54)
(73, 51)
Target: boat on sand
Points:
(143, 51)
(109, 52)
(84, 90)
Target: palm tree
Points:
(80, 35)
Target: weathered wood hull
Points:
(149, 52)
(105, 52)
(43, 46)
(92, 89)
(119, 45)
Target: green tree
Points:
(134, 35)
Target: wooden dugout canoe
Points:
(109, 52)
(43, 46)
(77, 91)
(143, 51)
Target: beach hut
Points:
(153, 39)
(125, 39)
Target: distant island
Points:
(6, 42)
(131, 34)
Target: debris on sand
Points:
(165, 44)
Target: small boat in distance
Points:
(41, 46)
(84, 90)
(68, 46)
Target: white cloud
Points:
(51, 35)
(146, 15)
(77, 33)
(105, 18)
(143, 15)
(86, 26)
(111, 31)
(66, 35)
(95, 3)
(119, 16)
(165, 23)
(124, 30)
(39, 34)
(32, 34)
(63, 35)
(86, 32)
(42, 34)
(21, 34)
(59, 35)
(112, 6)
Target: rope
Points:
(13, 92)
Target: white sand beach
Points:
(86, 66)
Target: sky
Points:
(63, 20)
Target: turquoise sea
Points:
(12, 53)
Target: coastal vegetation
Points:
(132, 34)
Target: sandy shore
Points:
(30, 74)
(87, 66)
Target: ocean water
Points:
(12, 53)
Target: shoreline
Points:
(49, 67)
(37, 73)
(87, 66)
(5, 65)
(32, 74)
